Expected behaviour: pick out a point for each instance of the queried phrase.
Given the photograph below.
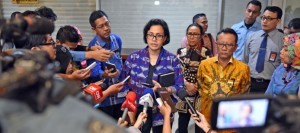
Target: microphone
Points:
(146, 99)
(182, 94)
(95, 92)
(129, 104)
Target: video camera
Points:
(17, 30)
(256, 113)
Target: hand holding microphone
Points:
(129, 104)
(147, 99)
(95, 91)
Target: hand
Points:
(109, 74)
(115, 88)
(191, 88)
(156, 85)
(165, 109)
(101, 55)
(80, 74)
(99, 82)
(96, 47)
(201, 122)
(141, 119)
(122, 123)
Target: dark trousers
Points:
(183, 123)
(114, 111)
(146, 127)
(259, 85)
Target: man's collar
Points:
(100, 41)
(216, 60)
(270, 34)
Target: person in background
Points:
(286, 77)
(144, 66)
(46, 12)
(262, 49)
(111, 42)
(206, 38)
(190, 57)
(246, 27)
(294, 26)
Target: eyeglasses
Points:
(49, 43)
(107, 24)
(221, 45)
(157, 37)
(193, 35)
(267, 18)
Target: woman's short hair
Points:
(160, 22)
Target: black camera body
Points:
(256, 113)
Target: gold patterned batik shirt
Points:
(216, 81)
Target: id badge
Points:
(272, 56)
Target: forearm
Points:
(167, 124)
(66, 76)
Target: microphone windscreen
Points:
(103, 86)
(182, 94)
(148, 91)
(131, 96)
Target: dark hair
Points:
(160, 22)
(95, 15)
(32, 41)
(30, 13)
(14, 14)
(275, 9)
(47, 13)
(294, 23)
(67, 33)
(195, 18)
(255, 2)
(197, 25)
(63, 56)
(228, 31)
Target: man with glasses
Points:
(247, 26)
(222, 75)
(101, 26)
(262, 49)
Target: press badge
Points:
(273, 56)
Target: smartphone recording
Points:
(238, 113)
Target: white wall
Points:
(74, 12)
(128, 18)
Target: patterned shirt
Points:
(216, 81)
(96, 73)
(137, 66)
(277, 85)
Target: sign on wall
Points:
(25, 1)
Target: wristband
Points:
(89, 48)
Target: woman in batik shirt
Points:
(190, 58)
(144, 66)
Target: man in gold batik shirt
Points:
(222, 75)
